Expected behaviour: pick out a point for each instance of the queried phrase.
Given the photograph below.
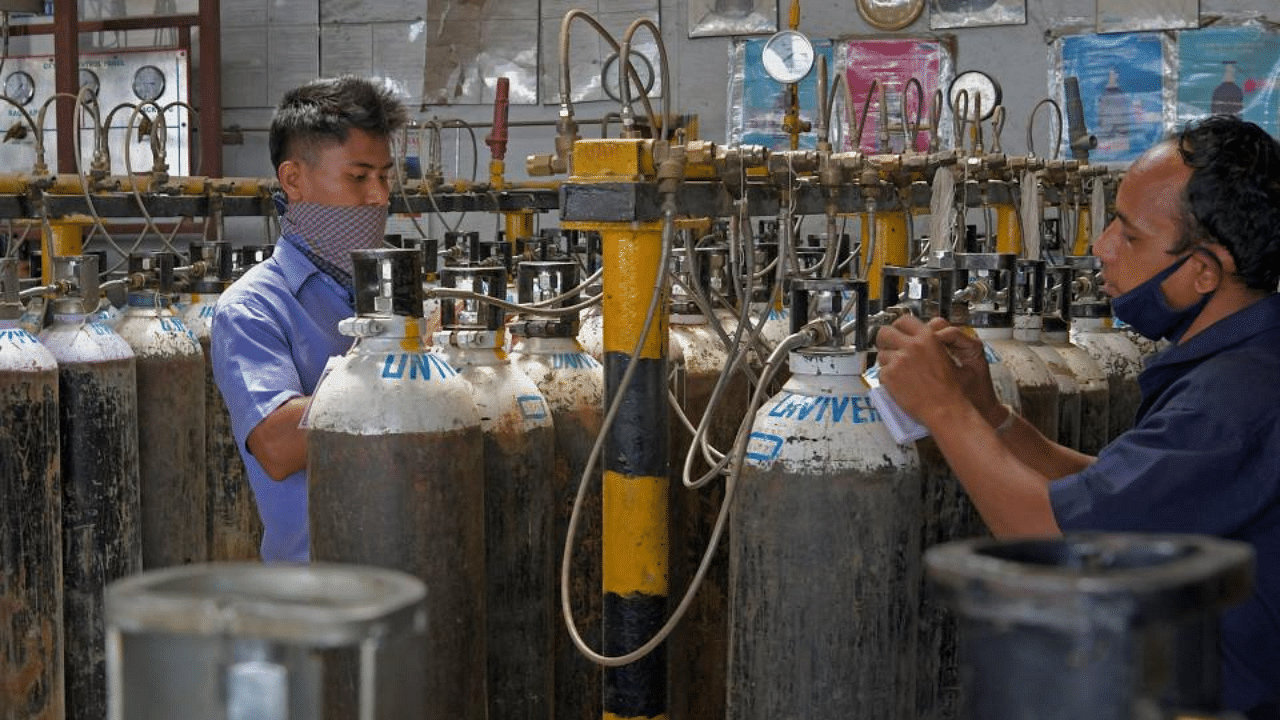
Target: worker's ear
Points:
(291, 179)
(1215, 265)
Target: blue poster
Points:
(1231, 71)
(1120, 79)
(764, 102)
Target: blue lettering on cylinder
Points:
(421, 366)
(572, 361)
(763, 447)
(854, 409)
(398, 373)
(19, 336)
(785, 407)
(207, 311)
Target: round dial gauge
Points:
(787, 56)
(890, 14)
(983, 94)
(148, 83)
(89, 79)
(639, 63)
(20, 87)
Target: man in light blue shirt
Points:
(275, 328)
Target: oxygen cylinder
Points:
(698, 650)
(1095, 399)
(1119, 358)
(394, 472)
(825, 559)
(989, 280)
(519, 498)
(573, 384)
(171, 412)
(98, 420)
(235, 529)
(1028, 327)
(31, 677)
(947, 513)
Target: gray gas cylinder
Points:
(825, 560)
(171, 418)
(698, 650)
(990, 289)
(1028, 326)
(1095, 395)
(1091, 625)
(235, 528)
(1091, 330)
(31, 674)
(101, 511)
(947, 512)
(520, 499)
(573, 384)
(394, 472)
(248, 641)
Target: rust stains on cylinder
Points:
(413, 502)
(699, 649)
(100, 511)
(521, 573)
(31, 667)
(234, 526)
(171, 447)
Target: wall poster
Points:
(1121, 80)
(1230, 71)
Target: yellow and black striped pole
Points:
(635, 500)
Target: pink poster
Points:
(891, 64)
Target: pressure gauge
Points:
(148, 83)
(19, 87)
(89, 79)
(787, 56)
(643, 68)
(977, 84)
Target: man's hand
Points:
(929, 368)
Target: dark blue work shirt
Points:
(1204, 457)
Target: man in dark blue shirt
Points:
(1193, 256)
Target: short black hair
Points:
(324, 111)
(1233, 195)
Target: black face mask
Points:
(1145, 310)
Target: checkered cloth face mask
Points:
(334, 231)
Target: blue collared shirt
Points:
(1204, 457)
(273, 331)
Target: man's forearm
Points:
(278, 444)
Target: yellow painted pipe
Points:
(890, 248)
(519, 224)
(1008, 230)
(1084, 232)
(67, 239)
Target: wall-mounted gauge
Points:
(977, 84)
(787, 56)
(89, 79)
(148, 83)
(643, 68)
(890, 14)
(20, 87)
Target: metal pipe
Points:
(66, 48)
(210, 88)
